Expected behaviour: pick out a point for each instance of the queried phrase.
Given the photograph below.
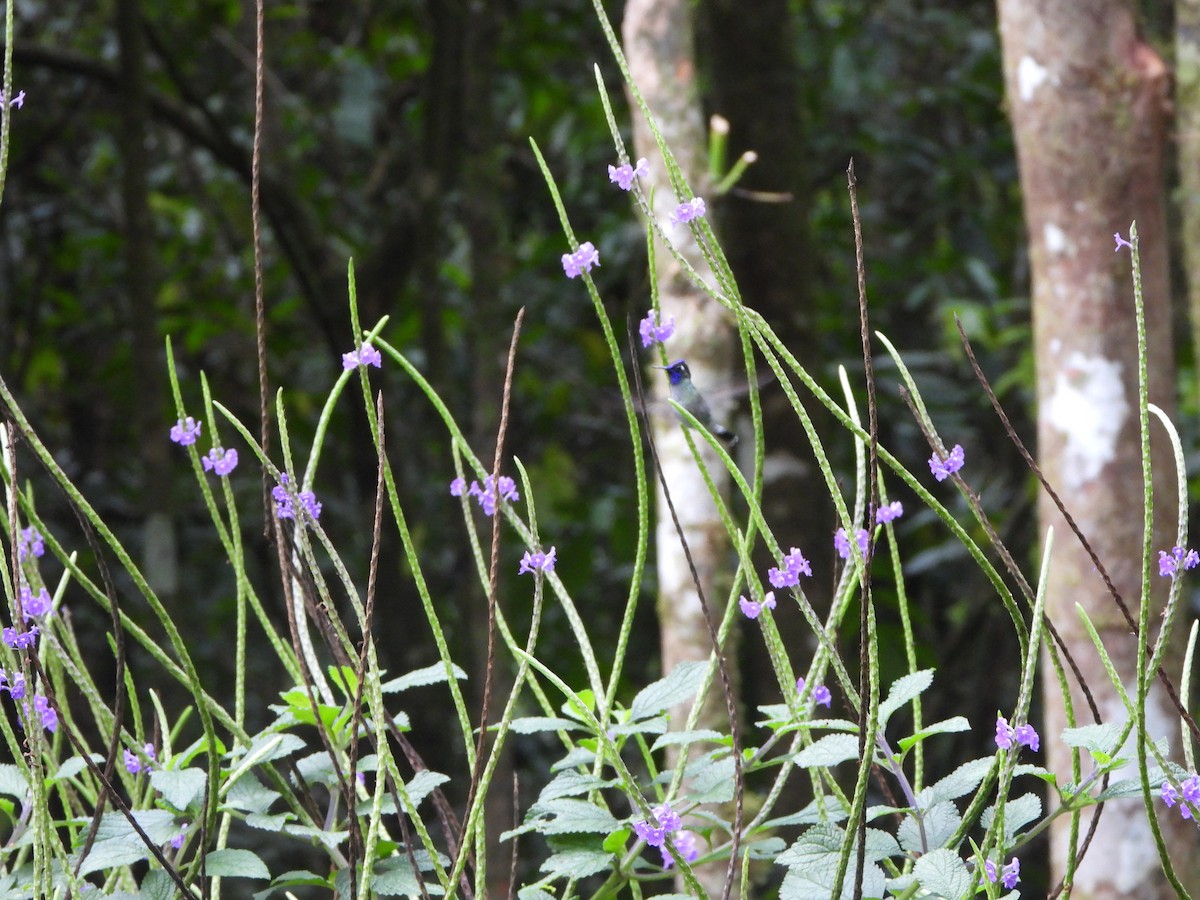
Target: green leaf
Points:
(13, 782)
(1018, 811)
(179, 788)
(940, 821)
(571, 783)
(249, 795)
(577, 863)
(294, 878)
(903, 690)
(423, 784)
(117, 844)
(269, 823)
(657, 725)
(434, 674)
(677, 738)
(812, 863)
(1096, 739)
(677, 687)
(69, 769)
(958, 783)
(828, 751)
(535, 724)
(232, 863)
(570, 816)
(944, 873)
(711, 779)
(1131, 787)
(946, 726)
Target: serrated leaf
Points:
(946, 726)
(576, 863)
(679, 738)
(903, 690)
(231, 863)
(571, 784)
(70, 768)
(423, 784)
(1096, 739)
(179, 788)
(958, 783)
(580, 756)
(570, 816)
(656, 725)
(535, 724)
(117, 844)
(828, 751)
(678, 687)
(329, 839)
(944, 873)
(249, 795)
(940, 822)
(1018, 811)
(711, 780)
(13, 782)
(1131, 787)
(269, 823)
(434, 674)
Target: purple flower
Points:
(788, 574)
(686, 843)
(17, 101)
(1027, 736)
(46, 713)
(539, 560)
(487, 495)
(654, 333)
(648, 833)
(185, 431)
(366, 355)
(14, 685)
(623, 175)
(667, 818)
(1022, 735)
(889, 513)
(220, 460)
(751, 609)
(1121, 242)
(177, 841)
(582, 260)
(284, 506)
(1169, 565)
(19, 640)
(841, 542)
(133, 764)
(1009, 875)
(944, 468)
(458, 487)
(1191, 794)
(685, 212)
(820, 694)
(30, 541)
(34, 606)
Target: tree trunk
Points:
(1187, 103)
(1088, 104)
(658, 39)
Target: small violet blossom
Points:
(685, 212)
(17, 101)
(14, 685)
(185, 431)
(841, 542)
(34, 605)
(46, 712)
(284, 505)
(538, 561)
(788, 574)
(220, 460)
(687, 844)
(668, 821)
(751, 609)
(30, 541)
(133, 764)
(177, 841)
(486, 495)
(889, 513)
(364, 356)
(654, 330)
(820, 694)
(1178, 558)
(944, 468)
(623, 175)
(1120, 241)
(19, 640)
(1191, 794)
(1022, 735)
(1009, 875)
(582, 260)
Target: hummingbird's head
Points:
(678, 371)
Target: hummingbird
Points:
(685, 394)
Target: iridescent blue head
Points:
(678, 371)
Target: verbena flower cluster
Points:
(285, 505)
(30, 541)
(821, 695)
(789, 571)
(488, 495)
(1023, 735)
(1188, 791)
(655, 331)
(751, 608)
(944, 468)
(1009, 875)
(1170, 564)
(366, 355)
(537, 561)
